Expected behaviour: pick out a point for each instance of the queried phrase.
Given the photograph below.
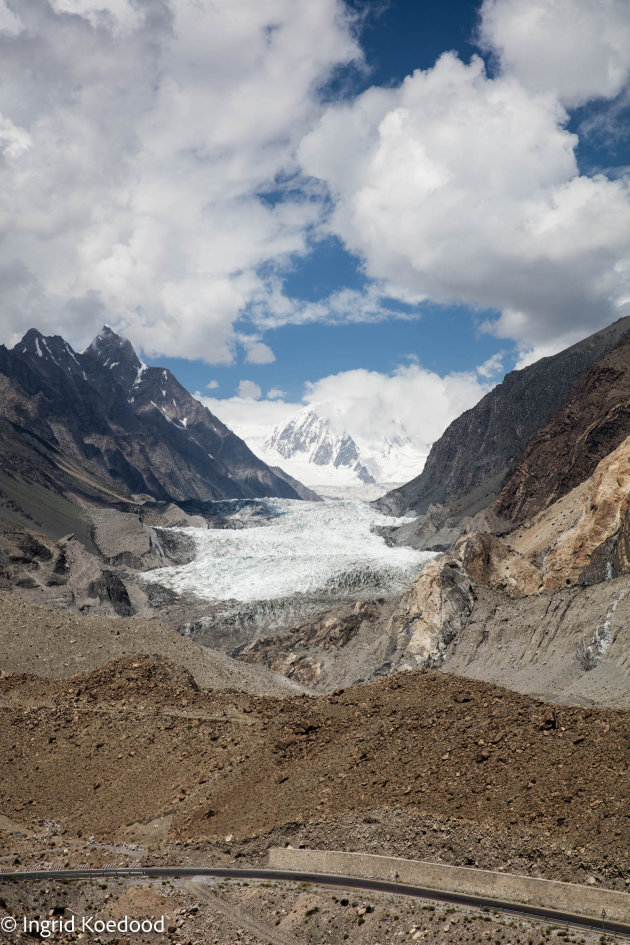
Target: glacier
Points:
(279, 548)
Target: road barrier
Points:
(587, 901)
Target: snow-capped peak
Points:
(309, 437)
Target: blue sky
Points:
(396, 39)
(356, 203)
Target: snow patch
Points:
(141, 370)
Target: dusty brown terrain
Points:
(264, 913)
(419, 763)
(57, 643)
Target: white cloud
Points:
(411, 401)
(117, 15)
(343, 306)
(249, 390)
(136, 148)
(257, 352)
(492, 367)
(276, 393)
(251, 419)
(579, 49)
(212, 385)
(372, 407)
(139, 150)
(459, 187)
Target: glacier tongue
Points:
(302, 548)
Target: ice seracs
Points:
(298, 548)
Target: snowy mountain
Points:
(310, 439)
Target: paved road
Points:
(327, 879)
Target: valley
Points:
(191, 679)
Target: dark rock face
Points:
(468, 465)
(101, 420)
(109, 587)
(593, 422)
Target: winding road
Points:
(327, 879)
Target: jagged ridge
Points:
(133, 428)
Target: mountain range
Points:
(100, 427)
(502, 746)
(308, 439)
(525, 498)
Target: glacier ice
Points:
(295, 548)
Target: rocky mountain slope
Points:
(592, 422)
(467, 467)
(100, 426)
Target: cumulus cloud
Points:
(252, 419)
(212, 385)
(257, 352)
(249, 390)
(493, 367)
(343, 306)
(411, 403)
(276, 393)
(137, 150)
(161, 161)
(578, 49)
(456, 186)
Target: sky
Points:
(375, 206)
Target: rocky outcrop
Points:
(596, 545)
(491, 561)
(591, 424)
(431, 613)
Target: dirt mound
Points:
(136, 741)
(56, 643)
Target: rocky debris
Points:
(125, 540)
(337, 648)
(109, 587)
(262, 913)
(491, 561)
(143, 742)
(57, 643)
(373, 638)
(570, 647)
